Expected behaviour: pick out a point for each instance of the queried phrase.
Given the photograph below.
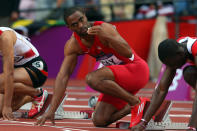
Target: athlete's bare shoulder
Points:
(7, 37)
(72, 46)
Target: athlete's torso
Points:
(24, 51)
(107, 56)
(191, 43)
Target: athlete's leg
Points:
(20, 100)
(1, 104)
(17, 102)
(103, 81)
(22, 83)
(23, 86)
(105, 114)
(119, 84)
(190, 76)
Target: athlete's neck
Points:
(184, 45)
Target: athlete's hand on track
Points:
(7, 113)
(46, 116)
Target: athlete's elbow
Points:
(62, 79)
(128, 53)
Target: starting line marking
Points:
(72, 129)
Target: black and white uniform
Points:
(27, 56)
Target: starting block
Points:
(59, 114)
(161, 119)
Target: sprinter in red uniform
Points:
(123, 73)
(174, 54)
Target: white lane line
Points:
(76, 106)
(72, 129)
(83, 93)
(86, 106)
(81, 123)
(180, 109)
(69, 87)
(183, 102)
(76, 99)
(175, 115)
(32, 124)
(21, 122)
(96, 128)
(13, 125)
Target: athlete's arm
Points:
(109, 34)
(193, 119)
(7, 40)
(67, 67)
(66, 70)
(158, 97)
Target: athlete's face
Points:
(78, 23)
(175, 62)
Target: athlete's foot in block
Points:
(38, 104)
(137, 112)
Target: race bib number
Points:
(38, 64)
(113, 60)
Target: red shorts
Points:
(132, 77)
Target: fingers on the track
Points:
(53, 122)
(40, 122)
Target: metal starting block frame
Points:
(59, 114)
(161, 120)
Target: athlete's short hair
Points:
(70, 11)
(167, 48)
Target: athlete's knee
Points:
(190, 74)
(100, 121)
(91, 79)
(1, 83)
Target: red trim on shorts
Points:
(29, 54)
(44, 73)
(1, 32)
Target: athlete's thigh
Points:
(17, 101)
(104, 111)
(22, 76)
(1, 102)
(190, 75)
(20, 100)
(103, 73)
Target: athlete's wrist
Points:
(191, 128)
(143, 123)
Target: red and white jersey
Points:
(105, 55)
(191, 44)
(24, 51)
